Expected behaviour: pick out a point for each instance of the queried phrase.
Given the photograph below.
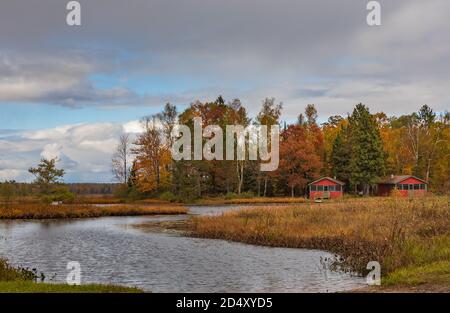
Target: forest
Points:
(358, 149)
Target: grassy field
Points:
(46, 211)
(409, 237)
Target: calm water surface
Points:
(112, 250)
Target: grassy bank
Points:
(409, 237)
(19, 280)
(46, 211)
(33, 287)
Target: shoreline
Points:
(417, 257)
(261, 220)
(181, 228)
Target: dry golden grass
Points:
(44, 211)
(396, 232)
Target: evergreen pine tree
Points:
(341, 155)
(367, 156)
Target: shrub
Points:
(247, 195)
(167, 196)
(230, 195)
(395, 193)
(121, 191)
(9, 273)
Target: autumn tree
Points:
(439, 162)
(168, 119)
(269, 115)
(237, 115)
(330, 130)
(311, 114)
(209, 176)
(120, 159)
(299, 161)
(152, 157)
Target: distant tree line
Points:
(358, 149)
(47, 186)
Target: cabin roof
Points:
(328, 178)
(395, 179)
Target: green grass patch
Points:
(436, 273)
(32, 287)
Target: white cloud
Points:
(9, 174)
(133, 127)
(84, 150)
(52, 151)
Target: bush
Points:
(168, 196)
(59, 194)
(395, 193)
(247, 195)
(243, 195)
(121, 191)
(230, 196)
(9, 273)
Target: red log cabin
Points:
(326, 188)
(407, 186)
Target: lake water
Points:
(112, 250)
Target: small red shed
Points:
(407, 185)
(326, 188)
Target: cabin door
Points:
(411, 190)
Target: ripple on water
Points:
(110, 250)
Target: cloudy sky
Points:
(70, 91)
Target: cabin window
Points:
(332, 188)
(313, 188)
(416, 187)
(422, 186)
(320, 188)
(400, 187)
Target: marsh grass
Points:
(46, 211)
(399, 233)
(9, 273)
